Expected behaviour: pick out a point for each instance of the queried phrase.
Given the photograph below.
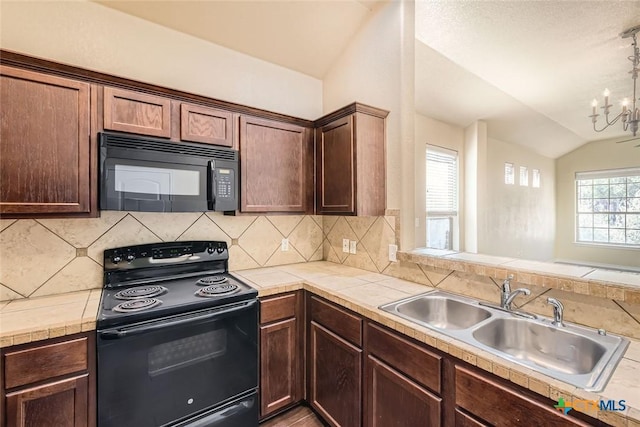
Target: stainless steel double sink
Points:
(574, 354)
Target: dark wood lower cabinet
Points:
(335, 378)
(393, 400)
(278, 366)
(465, 420)
(60, 404)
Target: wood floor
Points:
(300, 416)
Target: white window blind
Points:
(442, 182)
(608, 207)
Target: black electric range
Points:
(176, 338)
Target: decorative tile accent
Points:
(127, 232)
(167, 226)
(48, 253)
(285, 223)
(260, 240)
(80, 274)
(82, 232)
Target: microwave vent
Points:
(136, 143)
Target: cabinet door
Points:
(59, 404)
(335, 378)
(394, 400)
(134, 112)
(278, 366)
(205, 124)
(276, 165)
(44, 144)
(335, 154)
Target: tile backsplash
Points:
(49, 256)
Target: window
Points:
(524, 176)
(509, 174)
(442, 197)
(535, 177)
(608, 207)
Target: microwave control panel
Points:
(224, 183)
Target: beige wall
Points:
(475, 189)
(434, 132)
(520, 221)
(597, 155)
(92, 36)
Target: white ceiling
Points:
(529, 68)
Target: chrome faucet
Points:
(507, 297)
(558, 311)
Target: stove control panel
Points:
(173, 253)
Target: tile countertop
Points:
(27, 320)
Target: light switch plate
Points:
(393, 251)
(352, 247)
(284, 245)
(345, 246)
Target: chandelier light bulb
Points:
(606, 92)
(594, 105)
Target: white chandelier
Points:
(630, 116)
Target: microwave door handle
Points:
(122, 333)
(213, 188)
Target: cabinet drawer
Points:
(337, 320)
(278, 308)
(418, 363)
(485, 398)
(40, 363)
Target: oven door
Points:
(169, 370)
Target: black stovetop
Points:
(190, 276)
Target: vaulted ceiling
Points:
(528, 68)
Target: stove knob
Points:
(130, 257)
(210, 250)
(116, 259)
(220, 250)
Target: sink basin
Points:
(545, 346)
(575, 354)
(439, 310)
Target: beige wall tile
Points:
(340, 230)
(377, 240)
(318, 255)
(328, 253)
(292, 256)
(47, 253)
(82, 232)
(434, 274)
(167, 226)
(285, 223)
(205, 229)
(7, 294)
(233, 226)
(306, 237)
(408, 271)
(80, 274)
(360, 259)
(328, 222)
(260, 240)
(127, 232)
(360, 224)
(240, 260)
(471, 285)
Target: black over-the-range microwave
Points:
(155, 175)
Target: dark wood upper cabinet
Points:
(206, 125)
(281, 354)
(45, 144)
(49, 383)
(350, 162)
(276, 162)
(136, 112)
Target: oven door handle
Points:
(137, 330)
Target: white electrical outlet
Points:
(345, 246)
(284, 245)
(352, 247)
(393, 251)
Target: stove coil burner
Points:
(212, 280)
(137, 305)
(217, 290)
(141, 292)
